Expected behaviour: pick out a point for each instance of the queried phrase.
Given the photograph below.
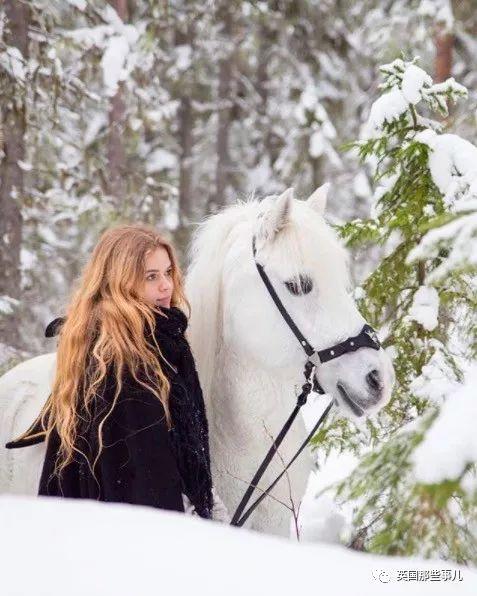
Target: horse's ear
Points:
(276, 216)
(317, 200)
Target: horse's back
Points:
(23, 391)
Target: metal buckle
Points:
(373, 336)
(315, 359)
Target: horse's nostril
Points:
(373, 379)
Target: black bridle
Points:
(367, 338)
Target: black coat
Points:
(142, 462)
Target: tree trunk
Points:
(444, 41)
(188, 208)
(117, 118)
(264, 44)
(13, 123)
(444, 45)
(186, 126)
(267, 38)
(224, 109)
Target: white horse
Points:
(249, 362)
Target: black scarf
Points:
(190, 433)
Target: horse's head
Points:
(307, 266)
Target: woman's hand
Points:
(219, 510)
(188, 507)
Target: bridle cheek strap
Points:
(366, 338)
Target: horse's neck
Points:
(250, 400)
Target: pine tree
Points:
(422, 298)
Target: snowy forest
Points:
(165, 112)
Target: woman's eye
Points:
(153, 276)
(303, 284)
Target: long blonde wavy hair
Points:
(104, 331)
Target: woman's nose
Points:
(165, 284)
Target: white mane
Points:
(210, 244)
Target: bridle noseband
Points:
(366, 338)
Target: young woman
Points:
(125, 421)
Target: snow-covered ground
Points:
(58, 547)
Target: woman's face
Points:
(158, 284)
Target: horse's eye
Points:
(300, 285)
